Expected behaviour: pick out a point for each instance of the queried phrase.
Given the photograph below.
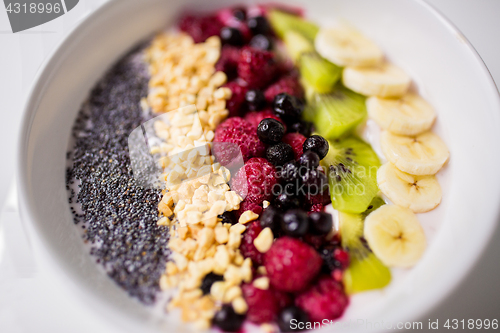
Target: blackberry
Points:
(270, 131)
(261, 42)
(228, 217)
(255, 100)
(227, 319)
(320, 223)
(284, 201)
(271, 218)
(330, 263)
(288, 107)
(240, 14)
(309, 160)
(279, 154)
(258, 25)
(289, 314)
(303, 127)
(317, 144)
(231, 36)
(295, 223)
(289, 172)
(208, 281)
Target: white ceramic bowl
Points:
(447, 70)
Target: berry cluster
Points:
(282, 166)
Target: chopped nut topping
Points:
(261, 283)
(248, 216)
(264, 240)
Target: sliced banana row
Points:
(395, 236)
(418, 193)
(414, 153)
(423, 154)
(345, 46)
(383, 80)
(408, 115)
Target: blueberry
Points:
(295, 223)
(231, 36)
(317, 144)
(227, 319)
(291, 188)
(255, 100)
(258, 25)
(285, 201)
(271, 218)
(228, 217)
(320, 223)
(279, 154)
(208, 280)
(302, 127)
(315, 181)
(261, 42)
(327, 253)
(270, 131)
(287, 107)
(292, 314)
(289, 172)
(309, 160)
(239, 14)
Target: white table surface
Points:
(30, 300)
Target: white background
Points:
(29, 297)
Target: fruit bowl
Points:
(449, 73)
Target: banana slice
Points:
(384, 80)
(424, 154)
(409, 115)
(346, 46)
(418, 193)
(395, 236)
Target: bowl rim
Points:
(35, 93)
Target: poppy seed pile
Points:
(118, 216)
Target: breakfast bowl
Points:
(445, 69)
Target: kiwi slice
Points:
(296, 44)
(365, 271)
(319, 73)
(339, 112)
(282, 22)
(351, 166)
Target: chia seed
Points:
(118, 216)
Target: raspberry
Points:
(296, 140)
(283, 299)
(288, 84)
(228, 61)
(315, 241)
(319, 199)
(200, 27)
(317, 208)
(262, 304)
(237, 98)
(244, 138)
(291, 264)
(325, 300)
(247, 248)
(247, 205)
(255, 117)
(256, 67)
(255, 181)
